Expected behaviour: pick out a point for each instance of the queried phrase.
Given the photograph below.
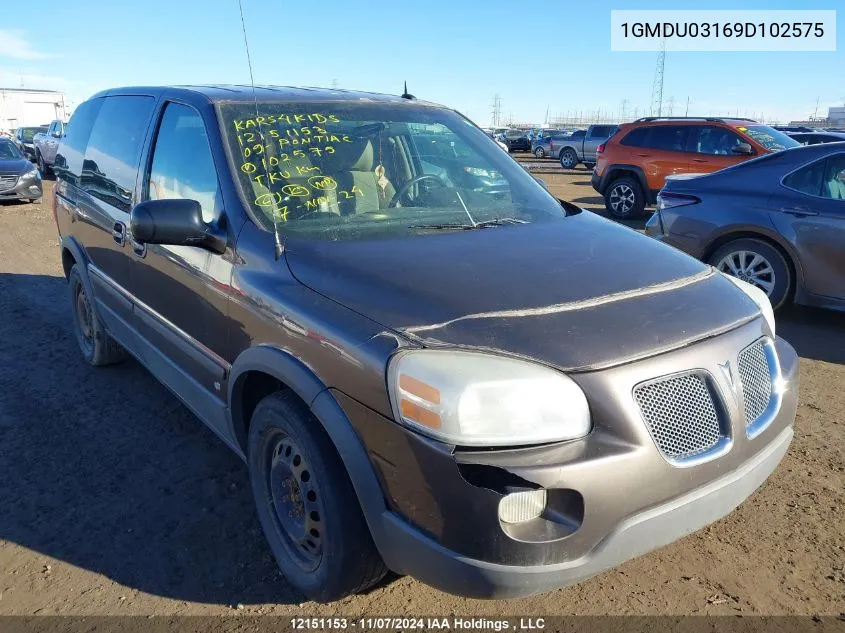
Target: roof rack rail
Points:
(693, 118)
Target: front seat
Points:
(353, 165)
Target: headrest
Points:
(354, 156)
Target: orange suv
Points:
(633, 164)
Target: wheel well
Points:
(67, 261)
(251, 388)
(730, 237)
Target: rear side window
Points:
(833, 185)
(636, 137)
(601, 131)
(808, 179)
(111, 159)
(68, 163)
(668, 137)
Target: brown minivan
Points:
(428, 363)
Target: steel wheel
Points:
(296, 502)
(84, 320)
(750, 267)
(622, 199)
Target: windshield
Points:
(9, 151)
(28, 133)
(769, 137)
(345, 171)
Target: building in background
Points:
(21, 107)
(836, 116)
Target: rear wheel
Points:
(540, 152)
(757, 263)
(624, 199)
(97, 347)
(306, 503)
(568, 158)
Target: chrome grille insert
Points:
(683, 417)
(7, 181)
(759, 373)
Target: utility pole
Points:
(334, 84)
(657, 86)
(670, 107)
(816, 111)
(497, 109)
(623, 109)
(686, 112)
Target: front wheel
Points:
(540, 152)
(624, 199)
(306, 503)
(757, 263)
(42, 166)
(568, 158)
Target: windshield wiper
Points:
(466, 227)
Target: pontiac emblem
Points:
(728, 372)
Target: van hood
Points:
(577, 293)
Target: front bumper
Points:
(618, 497)
(24, 189)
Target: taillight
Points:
(671, 200)
(600, 149)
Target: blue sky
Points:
(536, 54)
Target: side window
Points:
(111, 159)
(68, 163)
(808, 179)
(636, 137)
(834, 178)
(668, 137)
(712, 139)
(600, 131)
(182, 165)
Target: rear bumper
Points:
(637, 535)
(595, 181)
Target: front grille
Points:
(7, 181)
(756, 378)
(680, 415)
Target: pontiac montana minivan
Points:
(428, 363)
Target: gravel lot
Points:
(115, 500)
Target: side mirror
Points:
(175, 222)
(743, 148)
(57, 134)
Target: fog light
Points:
(34, 189)
(522, 506)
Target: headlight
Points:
(32, 174)
(473, 399)
(759, 297)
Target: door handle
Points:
(799, 212)
(118, 232)
(644, 155)
(700, 160)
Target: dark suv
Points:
(423, 371)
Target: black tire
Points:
(303, 495)
(540, 152)
(624, 199)
(42, 166)
(568, 158)
(97, 347)
(771, 273)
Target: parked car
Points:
(814, 138)
(580, 147)
(517, 141)
(23, 139)
(395, 357)
(540, 141)
(46, 143)
(777, 222)
(632, 166)
(19, 178)
(489, 133)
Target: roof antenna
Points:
(278, 243)
(406, 95)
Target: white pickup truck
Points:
(46, 144)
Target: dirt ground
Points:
(115, 500)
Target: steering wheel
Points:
(399, 195)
